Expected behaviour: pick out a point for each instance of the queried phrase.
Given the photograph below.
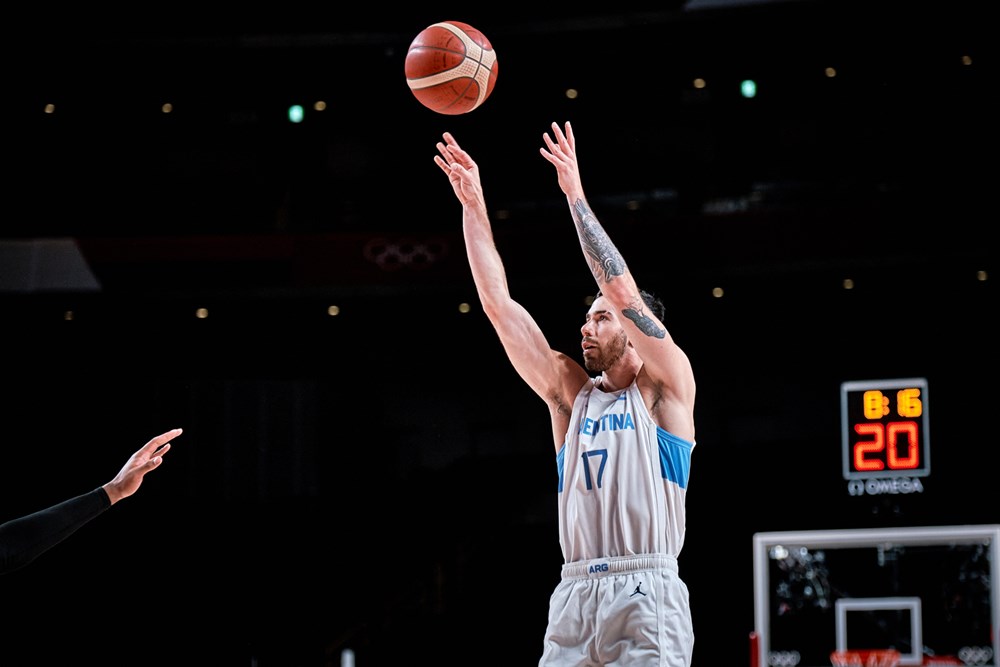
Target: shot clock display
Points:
(884, 428)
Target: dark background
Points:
(382, 480)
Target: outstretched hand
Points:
(461, 169)
(149, 457)
(561, 152)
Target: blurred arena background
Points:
(806, 183)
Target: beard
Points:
(607, 357)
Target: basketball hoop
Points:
(866, 658)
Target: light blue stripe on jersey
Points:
(675, 458)
(560, 457)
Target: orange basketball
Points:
(451, 67)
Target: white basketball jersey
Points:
(622, 479)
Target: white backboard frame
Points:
(868, 537)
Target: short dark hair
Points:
(653, 302)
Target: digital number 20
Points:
(886, 438)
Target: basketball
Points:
(451, 67)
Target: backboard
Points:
(931, 593)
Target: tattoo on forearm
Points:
(646, 324)
(605, 260)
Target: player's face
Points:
(604, 339)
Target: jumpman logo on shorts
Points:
(637, 591)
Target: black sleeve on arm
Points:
(23, 540)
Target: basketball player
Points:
(623, 431)
(24, 539)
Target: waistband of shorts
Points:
(602, 567)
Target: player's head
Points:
(604, 339)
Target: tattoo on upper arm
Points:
(646, 324)
(605, 260)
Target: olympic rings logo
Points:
(400, 253)
(783, 658)
(975, 655)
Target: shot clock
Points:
(885, 428)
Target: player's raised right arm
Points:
(550, 374)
